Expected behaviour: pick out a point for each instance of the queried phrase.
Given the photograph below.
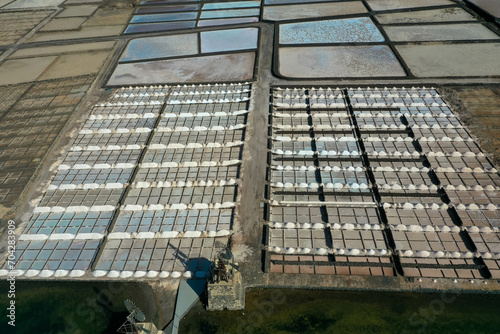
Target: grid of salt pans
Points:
(322, 206)
(436, 189)
(131, 175)
(182, 198)
(429, 239)
(74, 215)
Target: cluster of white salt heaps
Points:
(314, 105)
(180, 206)
(295, 90)
(122, 165)
(373, 114)
(204, 114)
(455, 154)
(310, 153)
(185, 184)
(449, 255)
(397, 104)
(448, 139)
(199, 128)
(388, 139)
(383, 126)
(208, 101)
(376, 114)
(415, 206)
(148, 274)
(135, 103)
(445, 229)
(167, 234)
(375, 92)
(296, 95)
(420, 187)
(46, 273)
(324, 251)
(289, 185)
(470, 188)
(414, 154)
(60, 209)
(314, 168)
(465, 170)
(401, 169)
(61, 236)
(190, 164)
(318, 139)
(189, 92)
(350, 226)
(426, 228)
(294, 115)
(119, 130)
(314, 127)
(316, 226)
(481, 229)
(329, 115)
(336, 104)
(437, 126)
(122, 116)
(211, 92)
(107, 148)
(193, 145)
(86, 186)
(475, 207)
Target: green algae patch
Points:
(316, 311)
(64, 307)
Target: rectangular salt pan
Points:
(161, 47)
(230, 13)
(330, 31)
(229, 40)
(220, 22)
(236, 4)
(166, 9)
(151, 27)
(163, 17)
